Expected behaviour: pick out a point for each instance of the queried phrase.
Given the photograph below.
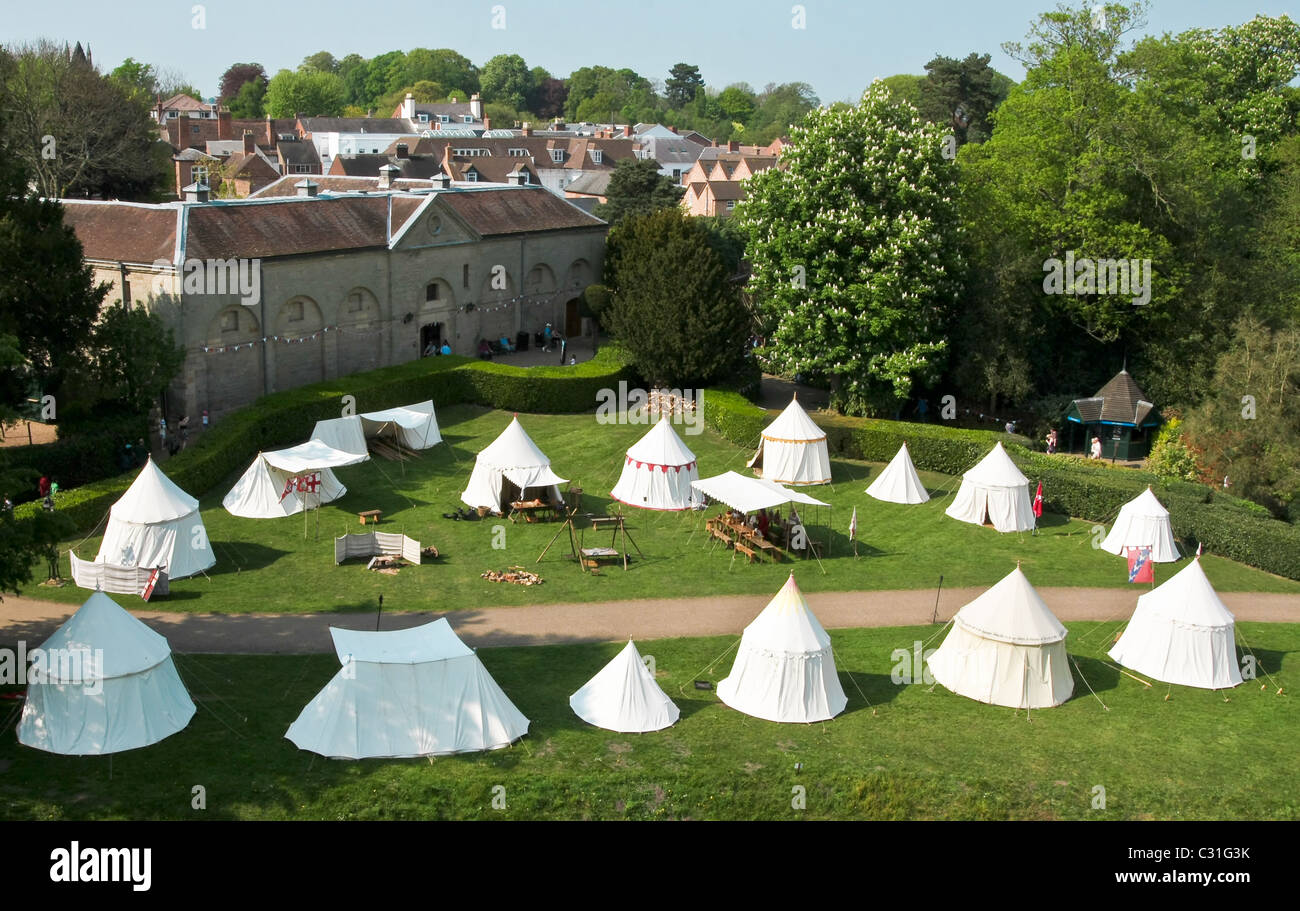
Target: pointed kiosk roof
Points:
(128, 646)
(1120, 401)
(153, 498)
(793, 426)
(1188, 598)
(1013, 612)
(661, 446)
(996, 470)
(623, 696)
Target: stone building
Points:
(272, 293)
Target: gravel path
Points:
(652, 618)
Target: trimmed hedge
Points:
(288, 417)
(1089, 490)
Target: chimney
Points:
(674, 129)
(197, 192)
(403, 150)
(408, 106)
(249, 145)
(307, 187)
(476, 106)
(627, 131)
(733, 146)
(518, 177)
(527, 130)
(487, 124)
(441, 181)
(386, 176)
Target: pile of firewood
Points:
(516, 574)
(431, 552)
(386, 564)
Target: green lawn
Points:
(910, 753)
(282, 565)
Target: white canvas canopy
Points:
(111, 686)
(257, 494)
(156, 524)
(899, 482)
(750, 494)
(624, 697)
(784, 669)
(1006, 648)
(658, 471)
(997, 490)
(405, 693)
(1182, 633)
(510, 466)
(414, 426)
(1143, 522)
(792, 449)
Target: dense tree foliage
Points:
(637, 188)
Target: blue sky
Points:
(844, 45)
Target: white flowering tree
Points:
(853, 245)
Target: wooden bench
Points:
(370, 514)
(741, 548)
(721, 536)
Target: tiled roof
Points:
(183, 102)
(594, 184)
(123, 232)
(727, 189)
(514, 210)
(331, 183)
(1120, 401)
(298, 152)
(293, 226)
(355, 125)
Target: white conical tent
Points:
(414, 426)
(1006, 648)
(997, 490)
(899, 482)
(792, 449)
(658, 471)
(510, 465)
(108, 684)
(624, 697)
(784, 669)
(156, 524)
(404, 693)
(1182, 633)
(259, 492)
(1143, 522)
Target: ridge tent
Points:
(997, 490)
(1182, 633)
(507, 469)
(792, 449)
(1143, 522)
(405, 693)
(259, 492)
(784, 669)
(414, 426)
(658, 471)
(899, 482)
(156, 524)
(108, 684)
(624, 697)
(1006, 648)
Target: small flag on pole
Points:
(1038, 501)
(1198, 548)
(853, 525)
(1140, 567)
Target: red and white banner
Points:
(303, 483)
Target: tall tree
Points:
(235, 77)
(853, 243)
(960, 95)
(135, 357)
(313, 94)
(688, 331)
(684, 82)
(249, 101)
(637, 188)
(507, 80)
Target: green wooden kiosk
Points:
(1120, 414)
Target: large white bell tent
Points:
(995, 491)
(792, 449)
(404, 693)
(1143, 522)
(511, 467)
(624, 697)
(413, 426)
(1181, 633)
(105, 683)
(899, 482)
(1006, 648)
(260, 493)
(156, 524)
(784, 669)
(658, 471)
